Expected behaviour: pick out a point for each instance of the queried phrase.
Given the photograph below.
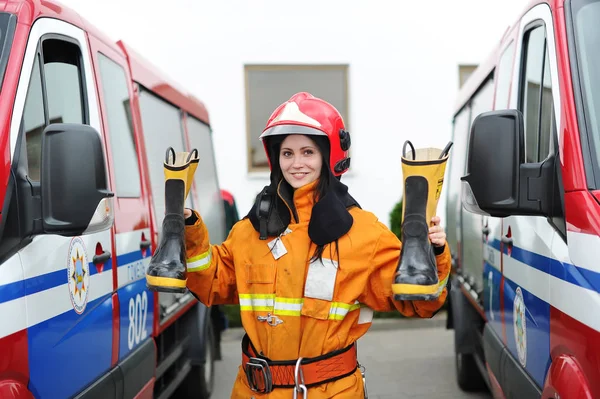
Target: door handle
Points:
(486, 231)
(101, 258)
(507, 240)
(145, 244)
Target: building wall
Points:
(403, 62)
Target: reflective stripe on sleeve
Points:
(199, 262)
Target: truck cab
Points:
(86, 124)
(523, 207)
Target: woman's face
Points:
(300, 160)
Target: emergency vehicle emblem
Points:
(78, 274)
(520, 326)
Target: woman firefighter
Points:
(307, 265)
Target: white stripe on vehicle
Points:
(584, 250)
(47, 304)
(36, 308)
(127, 243)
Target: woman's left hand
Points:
(437, 235)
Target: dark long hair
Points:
(321, 187)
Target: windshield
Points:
(585, 18)
(7, 30)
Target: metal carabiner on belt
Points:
(300, 387)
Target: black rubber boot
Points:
(416, 277)
(167, 271)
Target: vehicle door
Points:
(68, 280)
(526, 240)
(132, 221)
(492, 226)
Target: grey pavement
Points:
(404, 359)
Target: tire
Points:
(468, 377)
(199, 382)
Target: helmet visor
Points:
(291, 129)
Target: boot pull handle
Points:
(170, 150)
(189, 158)
(446, 150)
(414, 154)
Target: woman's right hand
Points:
(187, 213)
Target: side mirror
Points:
(498, 182)
(74, 186)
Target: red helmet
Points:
(305, 114)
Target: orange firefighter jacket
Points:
(315, 307)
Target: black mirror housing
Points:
(498, 182)
(74, 184)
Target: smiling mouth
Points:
(299, 174)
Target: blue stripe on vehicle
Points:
(578, 276)
(69, 351)
(32, 285)
(18, 289)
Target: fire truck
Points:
(523, 209)
(86, 124)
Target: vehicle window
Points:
(586, 39)
(120, 129)
(503, 77)
(209, 204)
(482, 100)
(162, 129)
(34, 121)
(531, 94)
(62, 77)
(454, 171)
(63, 98)
(547, 117)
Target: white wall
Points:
(403, 59)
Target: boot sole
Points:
(415, 297)
(166, 284)
(413, 292)
(414, 289)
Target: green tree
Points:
(396, 219)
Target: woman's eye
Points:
(308, 152)
(287, 153)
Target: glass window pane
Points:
(504, 77)
(530, 90)
(118, 115)
(547, 120)
(161, 123)
(269, 86)
(62, 77)
(34, 121)
(209, 203)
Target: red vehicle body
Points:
(78, 318)
(523, 222)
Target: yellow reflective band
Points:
(288, 306)
(442, 284)
(257, 296)
(257, 302)
(199, 262)
(339, 310)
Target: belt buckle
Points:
(257, 369)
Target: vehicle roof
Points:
(142, 71)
